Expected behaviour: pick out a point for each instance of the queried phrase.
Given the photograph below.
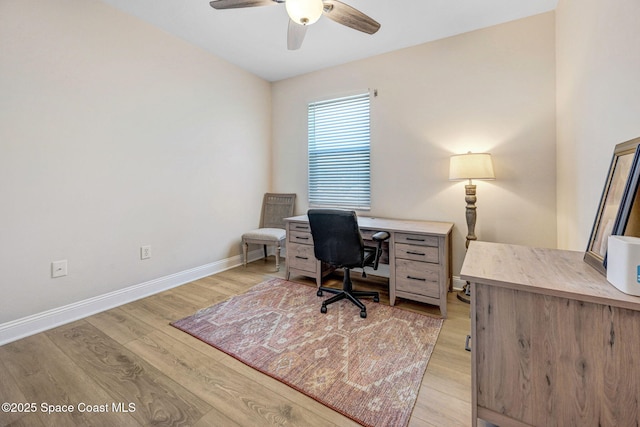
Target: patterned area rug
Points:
(367, 369)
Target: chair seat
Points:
(265, 234)
(271, 230)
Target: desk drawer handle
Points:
(301, 257)
(416, 278)
(301, 227)
(415, 253)
(415, 239)
(302, 238)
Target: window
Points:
(339, 152)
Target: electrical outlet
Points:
(145, 252)
(59, 268)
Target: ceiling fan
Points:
(303, 13)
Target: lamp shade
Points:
(304, 12)
(471, 166)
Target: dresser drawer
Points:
(301, 237)
(301, 257)
(419, 278)
(416, 239)
(417, 253)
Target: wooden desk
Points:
(553, 343)
(419, 256)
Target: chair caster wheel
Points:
(323, 309)
(319, 293)
(363, 314)
(376, 299)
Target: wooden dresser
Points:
(553, 343)
(419, 256)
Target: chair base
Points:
(348, 293)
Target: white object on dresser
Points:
(623, 263)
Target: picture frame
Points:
(617, 203)
(628, 219)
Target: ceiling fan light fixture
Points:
(304, 12)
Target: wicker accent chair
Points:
(271, 232)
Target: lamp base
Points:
(465, 294)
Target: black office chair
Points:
(338, 242)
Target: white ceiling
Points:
(256, 38)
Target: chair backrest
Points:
(275, 208)
(336, 237)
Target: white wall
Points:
(598, 104)
(113, 135)
(487, 90)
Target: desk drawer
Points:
(301, 257)
(417, 253)
(301, 237)
(300, 226)
(419, 278)
(416, 239)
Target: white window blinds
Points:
(339, 152)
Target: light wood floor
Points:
(131, 355)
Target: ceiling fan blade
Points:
(295, 35)
(235, 4)
(349, 16)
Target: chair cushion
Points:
(266, 234)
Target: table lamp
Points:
(470, 166)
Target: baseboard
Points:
(26, 326)
(458, 283)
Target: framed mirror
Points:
(615, 195)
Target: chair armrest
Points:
(381, 236)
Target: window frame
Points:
(339, 152)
